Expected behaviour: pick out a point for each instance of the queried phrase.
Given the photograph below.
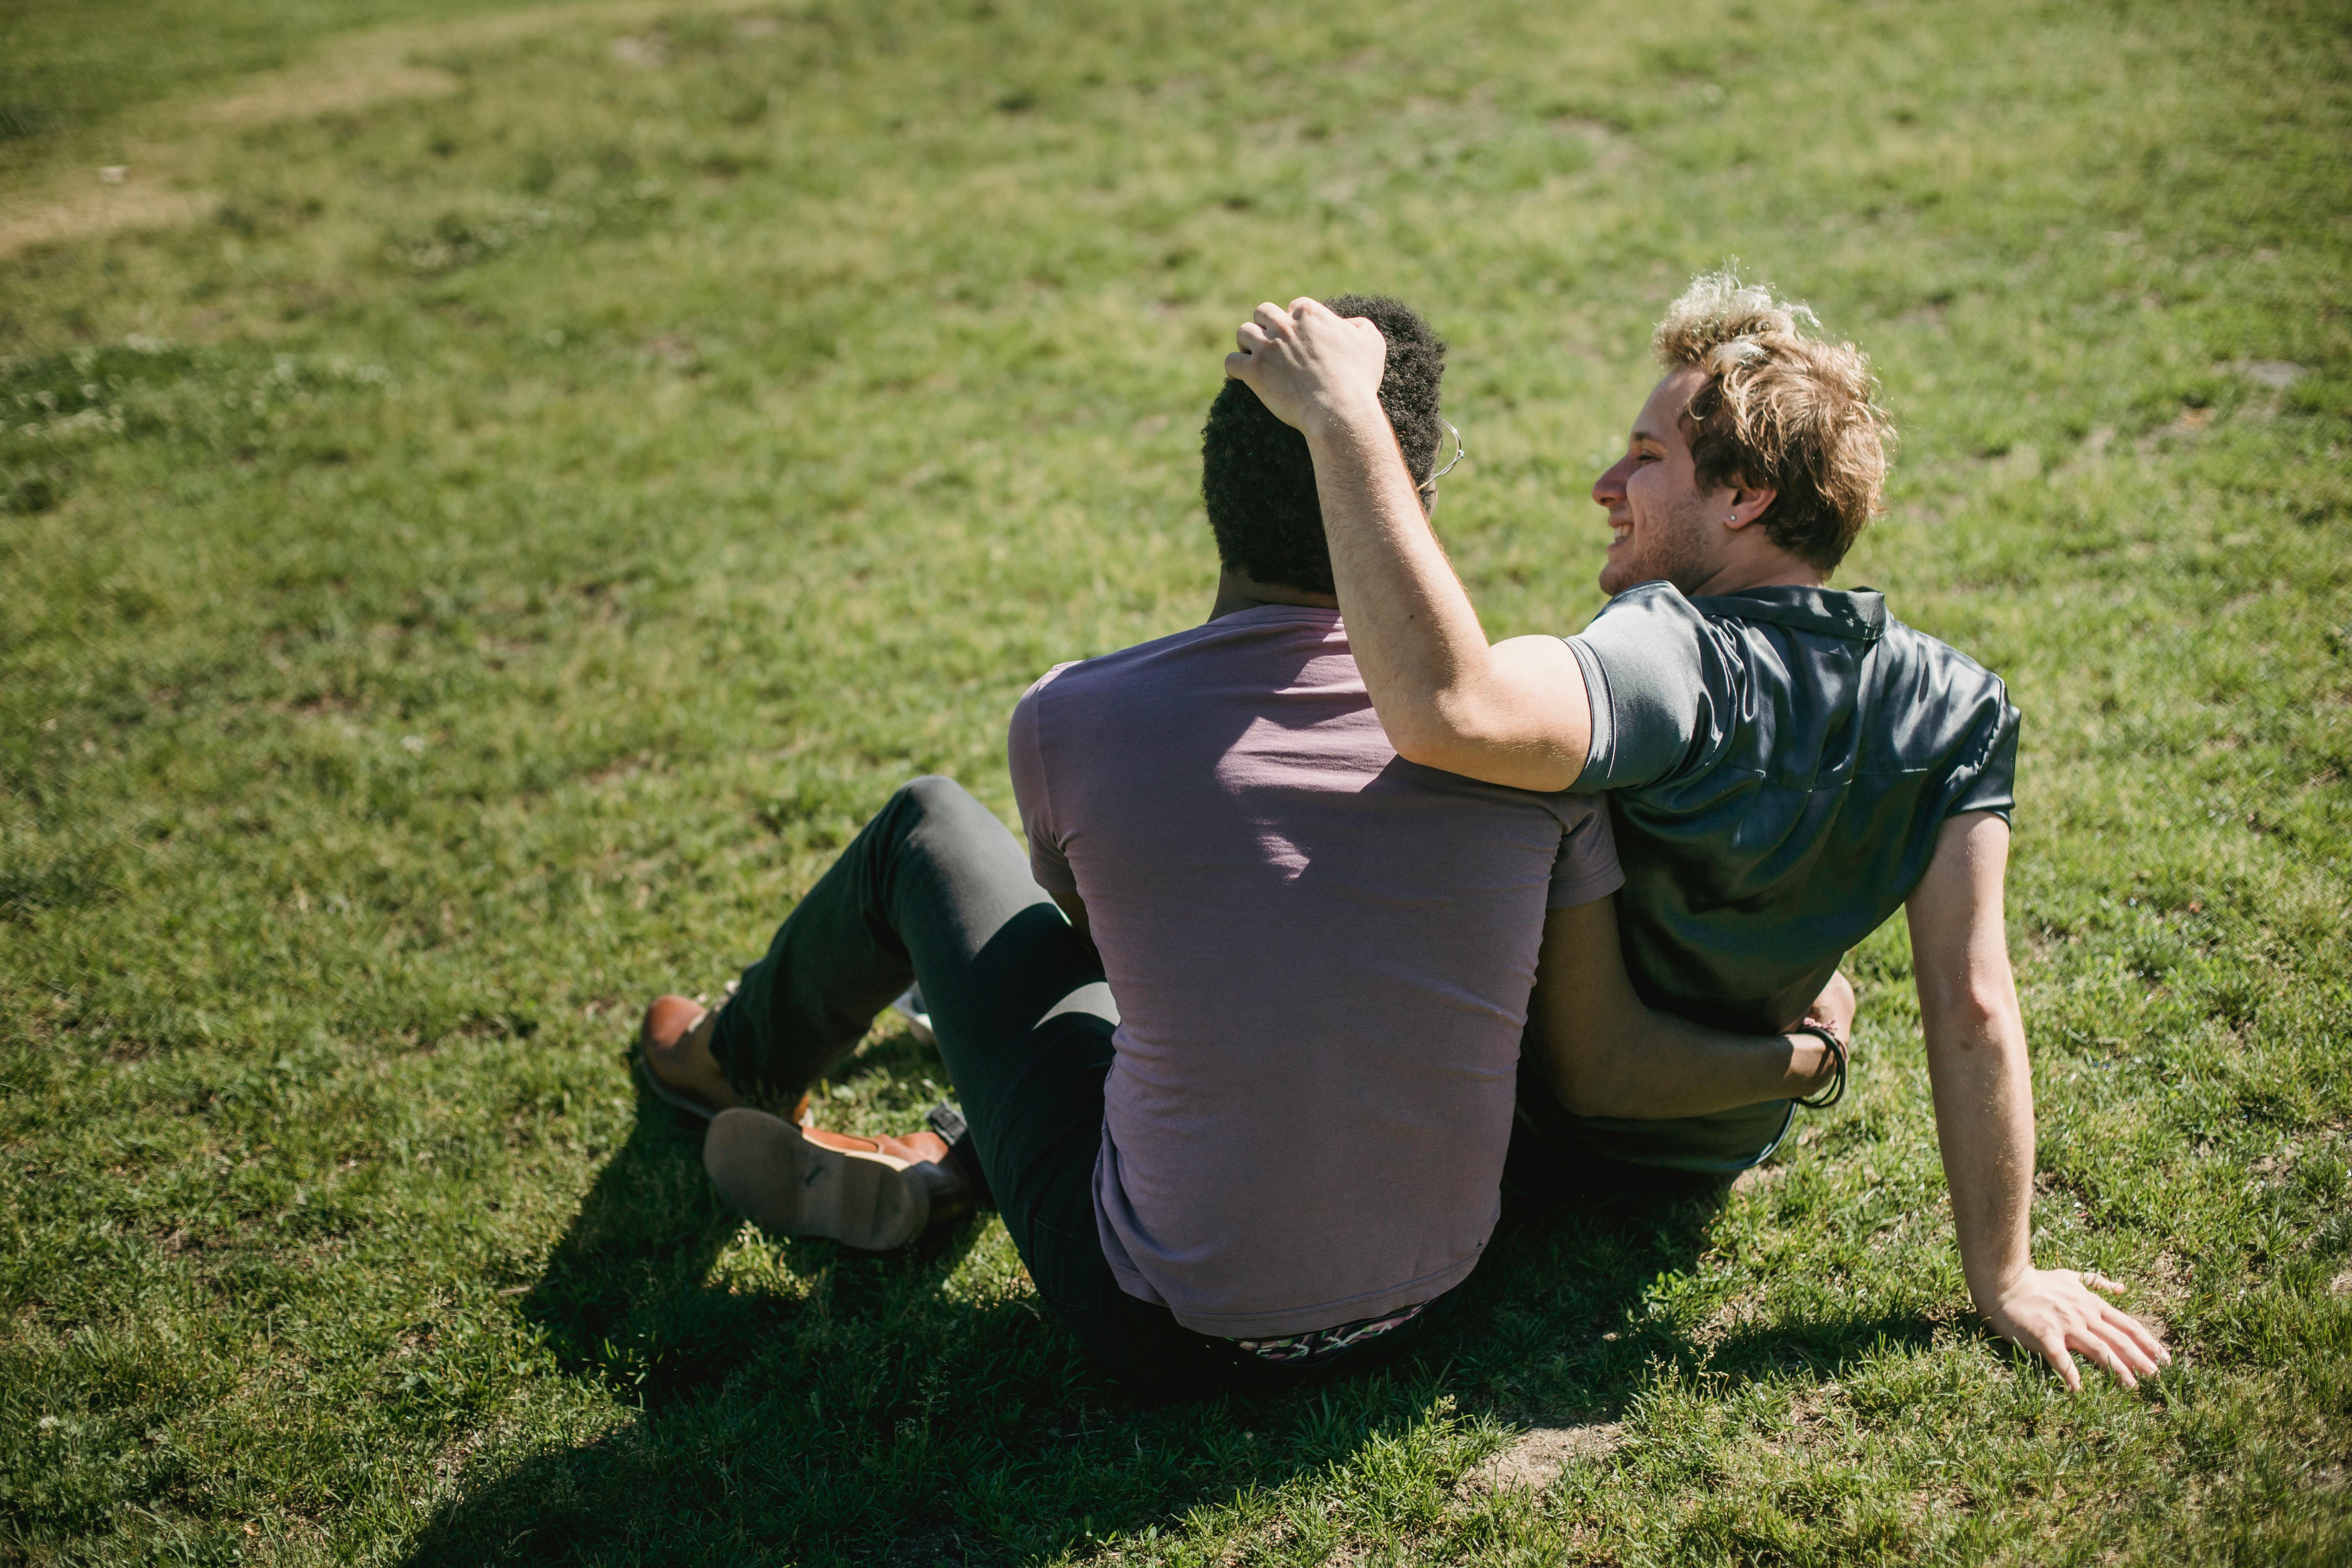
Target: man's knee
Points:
(936, 819)
(932, 794)
(940, 811)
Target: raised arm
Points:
(1983, 1087)
(1514, 713)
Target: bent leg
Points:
(923, 888)
(936, 889)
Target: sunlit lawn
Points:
(485, 508)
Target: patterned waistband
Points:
(1322, 1344)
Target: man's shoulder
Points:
(1231, 653)
(1121, 669)
(1926, 657)
(1654, 602)
(1856, 620)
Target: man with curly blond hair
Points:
(1786, 765)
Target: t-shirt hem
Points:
(1584, 890)
(1298, 1320)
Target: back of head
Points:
(1781, 410)
(1258, 480)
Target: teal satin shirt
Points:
(1778, 763)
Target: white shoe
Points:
(911, 1006)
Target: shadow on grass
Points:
(625, 1297)
(882, 1417)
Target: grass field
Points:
(490, 498)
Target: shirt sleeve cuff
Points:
(1567, 895)
(1596, 697)
(1052, 872)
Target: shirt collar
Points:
(1277, 614)
(1857, 615)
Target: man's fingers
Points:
(2134, 1354)
(2103, 1354)
(2140, 1334)
(2140, 1344)
(2125, 1346)
(1272, 319)
(2053, 1349)
(1243, 361)
(2080, 1339)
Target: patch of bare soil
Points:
(2159, 1295)
(170, 144)
(61, 212)
(328, 86)
(2278, 374)
(1535, 1459)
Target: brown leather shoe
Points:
(674, 1059)
(796, 1181)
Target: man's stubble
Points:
(1673, 549)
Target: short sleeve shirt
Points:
(1779, 763)
(1322, 956)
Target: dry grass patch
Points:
(1537, 1457)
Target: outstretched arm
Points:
(1983, 1087)
(1604, 1052)
(1515, 713)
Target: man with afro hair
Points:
(1284, 1141)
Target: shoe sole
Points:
(789, 1187)
(676, 1098)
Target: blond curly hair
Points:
(1781, 410)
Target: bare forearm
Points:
(1658, 1064)
(1977, 1061)
(1412, 628)
(1604, 1052)
(1984, 1114)
(1978, 1068)
(1515, 713)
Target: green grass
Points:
(479, 575)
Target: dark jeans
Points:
(1555, 1162)
(934, 889)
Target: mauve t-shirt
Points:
(1321, 955)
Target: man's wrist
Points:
(1990, 1287)
(1812, 1067)
(1342, 420)
(1829, 1074)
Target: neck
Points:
(1238, 590)
(1767, 568)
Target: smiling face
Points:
(1663, 526)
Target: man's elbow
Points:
(1968, 1012)
(1430, 745)
(1421, 726)
(1581, 1086)
(1456, 738)
(1583, 1097)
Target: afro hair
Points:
(1258, 481)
